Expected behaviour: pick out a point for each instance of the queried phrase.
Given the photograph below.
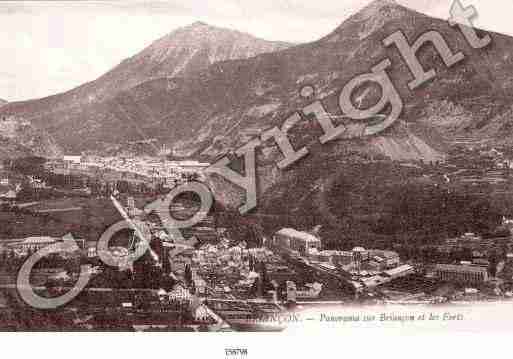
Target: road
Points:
(58, 210)
(328, 277)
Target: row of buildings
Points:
(365, 267)
(358, 259)
(374, 267)
(461, 273)
(24, 246)
(143, 166)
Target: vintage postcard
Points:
(280, 166)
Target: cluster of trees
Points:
(437, 210)
(29, 166)
(145, 275)
(262, 284)
(11, 262)
(240, 228)
(432, 255)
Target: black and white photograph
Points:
(256, 166)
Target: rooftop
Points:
(297, 234)
(460, 268)
(39, 240)
(398, 270)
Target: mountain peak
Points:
(186, 51)
(197, 28)
(383, 2)
(370, 19)
(378, 8)
(198, 24)
(202, 29)
(198, 38)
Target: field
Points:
(84, 217)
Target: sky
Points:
(47, 47)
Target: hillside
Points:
(221, 106)
(212, 111)
(20, 138)
(182, 52)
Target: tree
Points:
(263, 275)
(493, 258)
(188, 275)
(166, 264)
(72, 265)
(466, 254)
(282, 291)
(3, 259)
(32, 165)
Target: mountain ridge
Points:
(187, 50)
(135, 70)
(212, 112)
(193, 114)
(182, 52)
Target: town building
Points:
(291, 294)
(35, 243)
(374, 281)
(91, 249)
(301, 242)
(331, 256)
(311, 291)
(466, 274)
(400, 271)
(72, 159)
(388, 259)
